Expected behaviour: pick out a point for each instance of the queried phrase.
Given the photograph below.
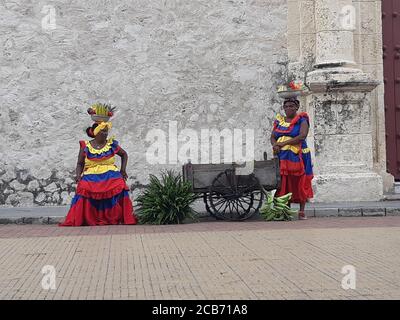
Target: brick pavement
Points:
(208, 260)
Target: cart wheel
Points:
(234, 197)
(205, 199)
(258, 200)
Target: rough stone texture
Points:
(40, 198)
(8, 174)
(39, 220)
(342, 141)
(17, 186)
(204, 64)
(51, 187)
(55, 220)
(33, 185)
(353, 212)
(392, 211)
(348, 187)
(368, 212)
(20, 198)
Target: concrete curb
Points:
(387, 209)
(31, 220)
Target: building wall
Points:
(367, 54)
(201, 63)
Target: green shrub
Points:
(166, 201)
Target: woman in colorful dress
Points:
(102, 196)
(288, 140)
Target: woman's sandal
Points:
(302, 215)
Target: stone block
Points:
(348, 187)
(307, 45)
(343, 153)
(293, 25)
(342, 117)
(52, 187)
(307, 20)
(370, 53)
(7, 221)
(17, 220)
(55, 220)
(294, 47)
(326, 212)
(327, 13)
(349, 212)
(310, 213)
(392, 212)
(373, 212)
(333, 47)
(17, 185)
(368, 18)
(36, 220)
(33, 185)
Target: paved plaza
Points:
(205, 260)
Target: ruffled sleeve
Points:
(115, 146)
(304, 117)
(82, 144)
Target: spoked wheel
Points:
(206, 200)
(234, 197)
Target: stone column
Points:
(341, 109)
(334, 25)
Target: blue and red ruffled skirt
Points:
(296, 176)
(101, 199)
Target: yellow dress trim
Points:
(290, 147)
(100, 169)
(93, 163)
(104, 149)
(306, 150)
(282, 121)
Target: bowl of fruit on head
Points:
(293, 90)
(100, 112)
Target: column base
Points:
(348, 187)
(340, 79)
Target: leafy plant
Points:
(277, 209)
(166, 201)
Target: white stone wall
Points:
(202, 63)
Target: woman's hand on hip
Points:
(124, 174)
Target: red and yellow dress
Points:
(102, 196)
(295, 160)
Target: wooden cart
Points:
(227, 195)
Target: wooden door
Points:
(391, 62)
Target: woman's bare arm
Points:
(80, 165)
(124, 161)
(275, 146)
(272, 138)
